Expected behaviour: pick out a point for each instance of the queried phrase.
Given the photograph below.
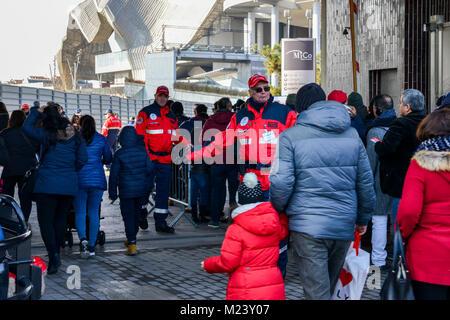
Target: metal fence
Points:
(92, 104)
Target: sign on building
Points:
(298, 64)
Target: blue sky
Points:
(31, 32)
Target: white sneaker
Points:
(84, 253)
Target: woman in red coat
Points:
(250, 250)
(424, 212)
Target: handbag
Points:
(30, 177)
(397, 285)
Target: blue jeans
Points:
(162, 175)
(199, 187)
(396, 203)
(220, 173)
(131, 214)
(88, 200)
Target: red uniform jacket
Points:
(256, 133)
(112, 123)
(424, 217)
(159, 128)
(250, 252)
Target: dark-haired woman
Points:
(424, 211)
(64, 153)
(21, 152)
(92, 184)
(4, 116)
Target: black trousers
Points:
(9, 185)
(430, 291)
(52, 212)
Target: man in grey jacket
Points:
(383, 111)
(322, 180)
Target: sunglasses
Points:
(259, 90)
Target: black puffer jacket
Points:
(398, 146)
(131, 167)
(4, 118)
(21, 152)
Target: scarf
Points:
(435, 144)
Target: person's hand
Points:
(361, 229)
(353, 112)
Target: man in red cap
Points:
(25, 108)
(158, 125)
(256, 128)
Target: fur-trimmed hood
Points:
(433, 160)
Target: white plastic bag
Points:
(354, 273)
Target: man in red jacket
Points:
(159, 127)
(256, 129)
(111, 129)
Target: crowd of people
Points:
(306, 174)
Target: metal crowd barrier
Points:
(180, 192)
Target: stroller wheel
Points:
(101, 238)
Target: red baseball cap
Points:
(337, 95)
(25, 106)
(253, 81)
(162, 90)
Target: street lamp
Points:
(287, 15)
(309, 16)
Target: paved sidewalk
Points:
(166, 268)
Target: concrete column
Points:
(251, 31)
(275, 22)
(316, 24)
(246, 37)
(260, 34)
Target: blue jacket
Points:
(57, 173)
(92, 175)
(131, 167)
(321, 177)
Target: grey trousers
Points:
(320, 262)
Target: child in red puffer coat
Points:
(250, 250)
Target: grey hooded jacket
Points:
(321, 177)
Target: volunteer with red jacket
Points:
(111, 129)
(256, 128)
(158, 125)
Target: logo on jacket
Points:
(139, 120)
(244, 121)
(153, 116)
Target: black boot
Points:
(54, 263)
(203, 214)
(194, 214)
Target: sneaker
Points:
(84, 249)
(144, 224)
(214, 225)
(131, 250)
(165, 229)
(91, 251)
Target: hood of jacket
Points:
(330, 116)
(433, 160)
(258, 218)
(66, 134)
(222, 117)
(128, 137)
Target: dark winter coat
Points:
(396, 150)
(58, 171)
(4, 118)
(131, 167)
(92, 175)
(21, 152)
(321, 177)
(190, 125)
